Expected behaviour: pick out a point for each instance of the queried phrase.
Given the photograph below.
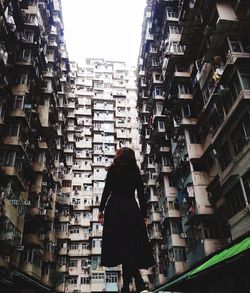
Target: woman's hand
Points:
(146, 222)
(101, 218)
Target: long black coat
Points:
(124, 231)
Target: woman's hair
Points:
(125, 157)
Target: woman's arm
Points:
(106, 192)
(141, 196)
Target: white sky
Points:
(109, 29)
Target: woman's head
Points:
(125, 157)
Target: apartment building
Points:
(193, 100)
(34, 90)
(101, 117)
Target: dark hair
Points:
(124, 157)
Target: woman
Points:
(125, 238)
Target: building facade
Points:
(34, 69)
(193, 100)
(103, 118)
(60, 125)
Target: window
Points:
(74, 231)
(194, 137)
(235, 86)
(174, 29)
(236, 45)
(74, 246)
(175, 47)
(171, 14)
(26, 55)
(97, 278)
(66, 183)
(246, 182)
(85, 246)
(29, 36)
(176, 227)
(77, 187)
(225, 156)
(111, 277)
(166, 161)
(14, 129)
(72, 280)
(8, 159)
(24, 78)
(241, 134)
(184, 88)
(209, 231)
(180, 254)
(245, 77)
(19, 103)
(235, 201)
(85, 280)
(161, 125)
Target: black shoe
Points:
(125, 290)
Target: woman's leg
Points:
(132, 270)
(126, 276)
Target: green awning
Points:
(224, 255)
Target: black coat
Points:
(124, 231)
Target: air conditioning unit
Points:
(20, 247)
(42, 236)
(171, 258)
(183, 235)
(44, 183)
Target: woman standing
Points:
(125, 239)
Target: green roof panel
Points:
(226, 254)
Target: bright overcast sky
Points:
(109, 29)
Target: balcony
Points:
(166, 169)
(175, 240)
(225, 23)
(20, 89)
(62, 235)
(97, 287)
(172, 213)
(154, 217)
(14, 171)
(39, 167)
(64, 218)
(151, 182)
(61, 268)
(153, 198)
(63, 251)
(237, 107)
(96, 250)
(165, 149)
(31, 269)
(176, 267)
(155, 235)
(61, 288)
(78, 252)
(34, 240)
(95, 233)
(48, 256)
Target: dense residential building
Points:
(193, 100)
(101, 117)
(34, 68)
(59, 128)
